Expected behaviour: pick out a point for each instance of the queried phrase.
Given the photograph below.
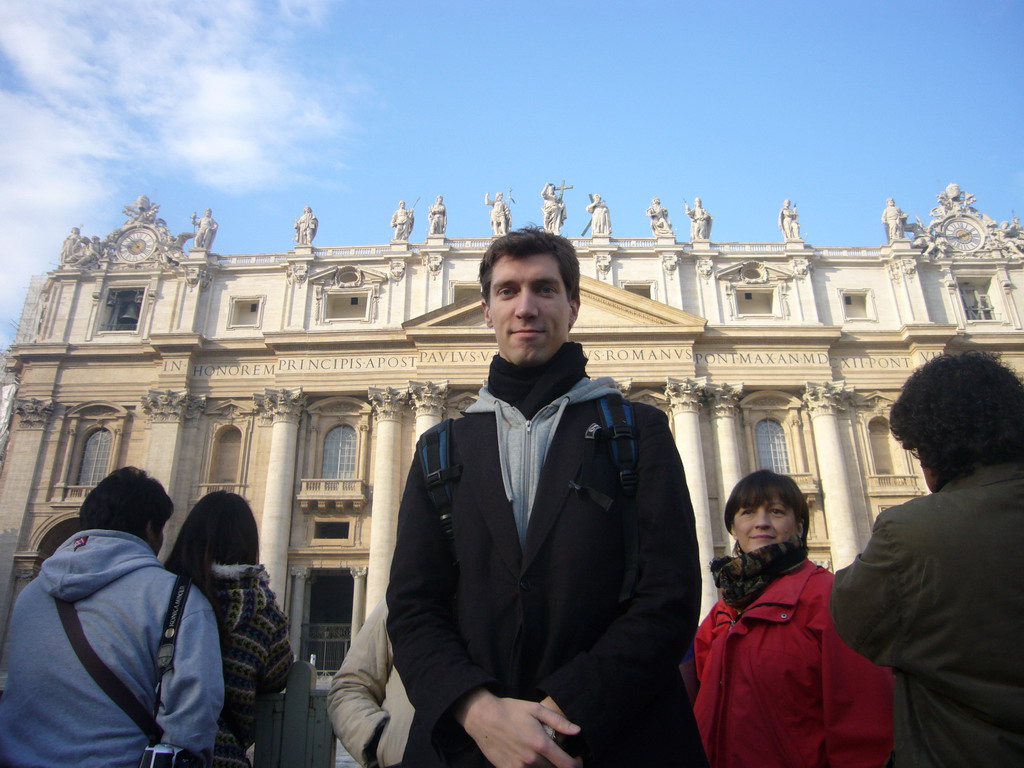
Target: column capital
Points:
(359, 573)
(428, 397)
(273, 405)
(685, 394)
(827, 397)
(301, 573)
(724, 398)
(168, 405)
(33, 413)
(387, 402)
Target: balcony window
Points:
(340, 454)
(770, 438)
(95, 458)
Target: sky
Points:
(257, 108)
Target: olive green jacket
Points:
(938, 594)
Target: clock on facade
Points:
(136, 244)
(963, 233)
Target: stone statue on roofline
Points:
(661, 225)
(789, 221)
(700, 220)
(206, 230)
(553, 209)
(600, 217)
(74, 247)
(437, 217)
(403, 221)
(501, 214)
(306, 226)
(894, 220)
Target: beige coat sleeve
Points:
(356, 699)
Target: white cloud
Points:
(206, 91)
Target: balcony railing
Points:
(894, 485)
(325, 493)
(70, 495)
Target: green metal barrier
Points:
(292, 728)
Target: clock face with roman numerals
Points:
(136, 244)
(963, 234)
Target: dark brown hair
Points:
(764, 487)
(530, 242)
(219, 529)
(127, 500)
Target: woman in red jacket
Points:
(777, 685)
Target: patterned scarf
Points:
(745, 576)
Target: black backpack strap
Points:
(618, 429)
(108, 682)
(439, 473)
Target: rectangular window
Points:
(246, 312)
(332, 530)
(640, 289)
(855, 305)
(462, 291)
(346, 306)
(975, 296)
(123, 308)
(755, 302)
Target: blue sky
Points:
(256, 109)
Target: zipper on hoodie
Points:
(527, 470)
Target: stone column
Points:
(166, 409)
(824, 401)
(24, 452)
(387, 409)
(283, 408)
(685, 397)
(725, 400)
(428, 398)
(358, 599)
(297, 609)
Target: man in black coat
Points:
(525, 641)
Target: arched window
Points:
(226, 450)
(771, 446)
(95, 458)
(878, 432)
(340, 454)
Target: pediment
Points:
(754, 273)
(346, 276)
(601, 306)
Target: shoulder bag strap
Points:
(169, 635)
(109, 682)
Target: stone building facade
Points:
(301, 380)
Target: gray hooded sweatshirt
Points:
(52, 712)
(523, 443)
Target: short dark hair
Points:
(961, 411)
(219, 529)
(127, 500)
(764, 487)
(529, 242)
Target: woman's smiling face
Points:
(768, 523)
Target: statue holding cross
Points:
(553, 208)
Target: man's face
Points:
(529, 309)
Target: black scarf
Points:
(745, 576)
(531, 388)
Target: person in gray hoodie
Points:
(52, 712)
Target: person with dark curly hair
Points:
(937, 593)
